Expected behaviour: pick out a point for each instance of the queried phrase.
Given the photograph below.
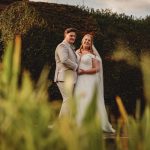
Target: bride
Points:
(90, 73)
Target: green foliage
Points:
(26, 115)
(9, 1)
(24, 109)
(25, 112)
(19, 18)
(136, 128)
(43, 29)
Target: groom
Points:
(66, 62)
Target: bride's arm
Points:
(95, 68)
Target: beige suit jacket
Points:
(66, 62)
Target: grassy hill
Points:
(5, 3)
(60, 17)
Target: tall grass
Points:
(24, 110)
(26, 114)
(136, 128)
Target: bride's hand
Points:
(80, 54)
(81, 71)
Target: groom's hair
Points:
(68, 30)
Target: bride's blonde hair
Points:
(81, 47)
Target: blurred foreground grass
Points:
(26, 114)
(137, 128)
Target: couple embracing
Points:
(85, 67)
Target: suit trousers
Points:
(65, 110)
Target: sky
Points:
(137, 8)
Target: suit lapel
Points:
(71, 47)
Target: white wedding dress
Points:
(84, 90)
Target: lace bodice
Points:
(85, 61)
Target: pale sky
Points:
(138, 8)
